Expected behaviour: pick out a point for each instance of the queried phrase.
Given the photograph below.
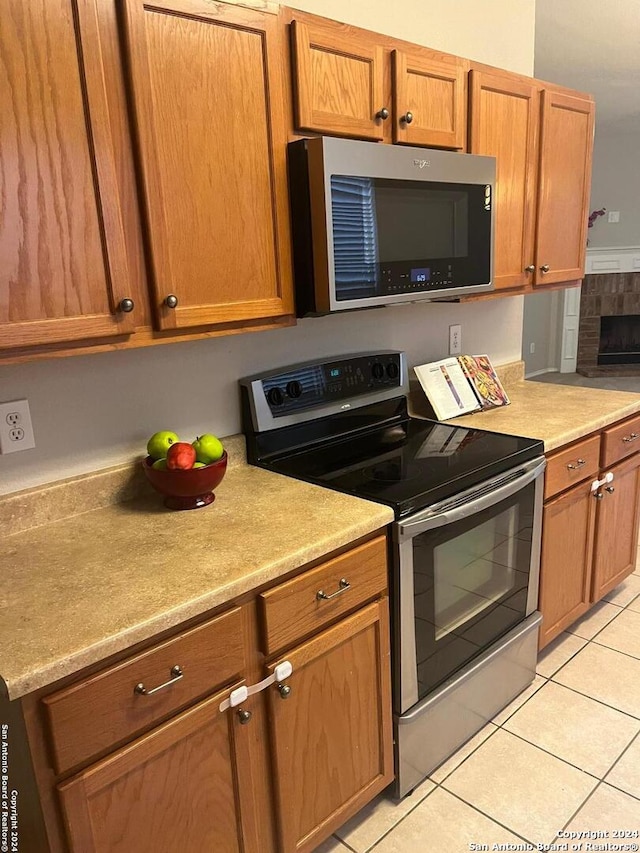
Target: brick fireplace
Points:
(609, 348)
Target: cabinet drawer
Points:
(101, 711)
(571, 466)
(620, 441)
(294, 609)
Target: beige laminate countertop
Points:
(556, 414)
(76, 591)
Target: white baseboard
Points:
(540, 372)
(613, 259)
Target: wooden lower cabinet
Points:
(617, 531)
(332, 735)
(175, 789)
(161, 769)
(567, 546)
(589, 536)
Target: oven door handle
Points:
(428, 519)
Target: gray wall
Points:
(616, 186)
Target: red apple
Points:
(181, 456)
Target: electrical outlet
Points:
(532, 349)
(455, 340)
(16, 430)
(614, 216)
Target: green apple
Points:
(159, 444)
(208, 448)
(199, 465)
(160, 465)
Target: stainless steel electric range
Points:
(465, 544)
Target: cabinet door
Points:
(208, 101)
(564, 185)
(504, 124)
(338, 83)
(176, 789)
(565, 567)
(430, 100)
(617, 528)
(63, 265)
(332, 737)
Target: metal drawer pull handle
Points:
(344, 586)
(177, 674)
(631, 437)
(578, 464)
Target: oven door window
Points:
(392, 236)
(471, 581)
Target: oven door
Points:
(468, 573)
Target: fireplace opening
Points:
(619, 340)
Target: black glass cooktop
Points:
(408, 464)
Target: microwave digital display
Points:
(423, 274)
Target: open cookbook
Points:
(461, 384)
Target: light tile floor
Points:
(563, 756)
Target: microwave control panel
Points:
(399, 277)
(325, 382)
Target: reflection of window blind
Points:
(355, 239)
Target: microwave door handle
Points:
(423, 521)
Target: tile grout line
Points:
(492, 819)
(617, 761)
(564, 760)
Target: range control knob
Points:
(377, 370)
(392, 370)
(275, 396)
(294, 389)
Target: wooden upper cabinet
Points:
(208, 96)
(503, 123)
(430, 99)
(564, 186)
(338, 81)
(63, 263)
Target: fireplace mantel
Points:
(614, 259)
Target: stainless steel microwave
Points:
(377, 224)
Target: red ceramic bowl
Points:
(187, 489)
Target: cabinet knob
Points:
(284, 690)
(530, 268)
(407, 118)
(545, 268)
(598, 496)
(383, 114)
(126, 305)
(244, 716)
(171, 301)
(610, 489)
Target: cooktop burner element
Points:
(364, 442)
